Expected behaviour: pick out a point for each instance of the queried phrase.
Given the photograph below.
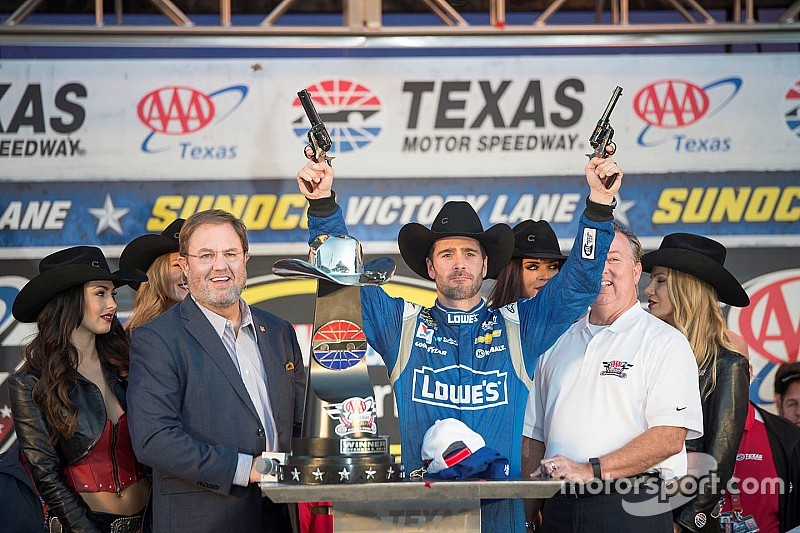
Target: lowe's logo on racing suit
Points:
(445, 387)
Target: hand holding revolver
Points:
(315, 179)
(599, 173)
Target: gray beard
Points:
(219, 300)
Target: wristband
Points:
(596, 467)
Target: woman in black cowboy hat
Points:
(537, 257)
(687, 280)
(68, 399)
(156, 254)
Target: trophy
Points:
(340, 443)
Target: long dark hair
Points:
(53, 358)
(508, 288)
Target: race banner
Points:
(393, 117)
(741, 208)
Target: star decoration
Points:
(295, 474)
(108, 216)
(5, 411)
(389, 473)
(318, 474)
(344, 474)
(370, 473)
(621, 211)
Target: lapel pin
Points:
(289, 366)
(261, 328)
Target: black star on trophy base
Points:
(340, 442)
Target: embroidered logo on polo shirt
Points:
(700, 519)
(616, 368)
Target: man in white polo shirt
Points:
(615, 397)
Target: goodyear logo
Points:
(695, 205)
(454, 388)
(346, 108)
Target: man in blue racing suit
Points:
(460, 359)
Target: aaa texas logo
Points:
(770, 325)
(347, 109)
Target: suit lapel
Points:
(198, 326)
(272, 368)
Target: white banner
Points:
(395, 117)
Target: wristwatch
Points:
(530, 525)
(596, 467)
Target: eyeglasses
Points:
(208, 257)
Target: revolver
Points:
(603, 134)
(318, 139)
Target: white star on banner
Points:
(344, 474)
(621, 211)
(296, 474)
(318, 474)
(5, 411)
(370, 473)
(108, 216)
(389, 473)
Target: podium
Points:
(410, 506)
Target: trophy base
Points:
(324, 461)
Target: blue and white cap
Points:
(451, 450)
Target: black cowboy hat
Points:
(62, 270)
(142, 251)
(456, 219)
(701, 257)
(535, 239)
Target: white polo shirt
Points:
(599, 387)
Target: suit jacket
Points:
(190, 416)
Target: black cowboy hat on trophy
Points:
(535, 239)
(701, 257)
(64, 269)
(142, 251)
(455, 219)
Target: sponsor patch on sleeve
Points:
(588, 244)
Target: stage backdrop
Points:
(100, 152)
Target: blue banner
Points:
(112, 213)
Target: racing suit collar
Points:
(457, 317)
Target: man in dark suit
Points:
(213, 383)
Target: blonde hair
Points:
(153, 296)
(696, 314)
